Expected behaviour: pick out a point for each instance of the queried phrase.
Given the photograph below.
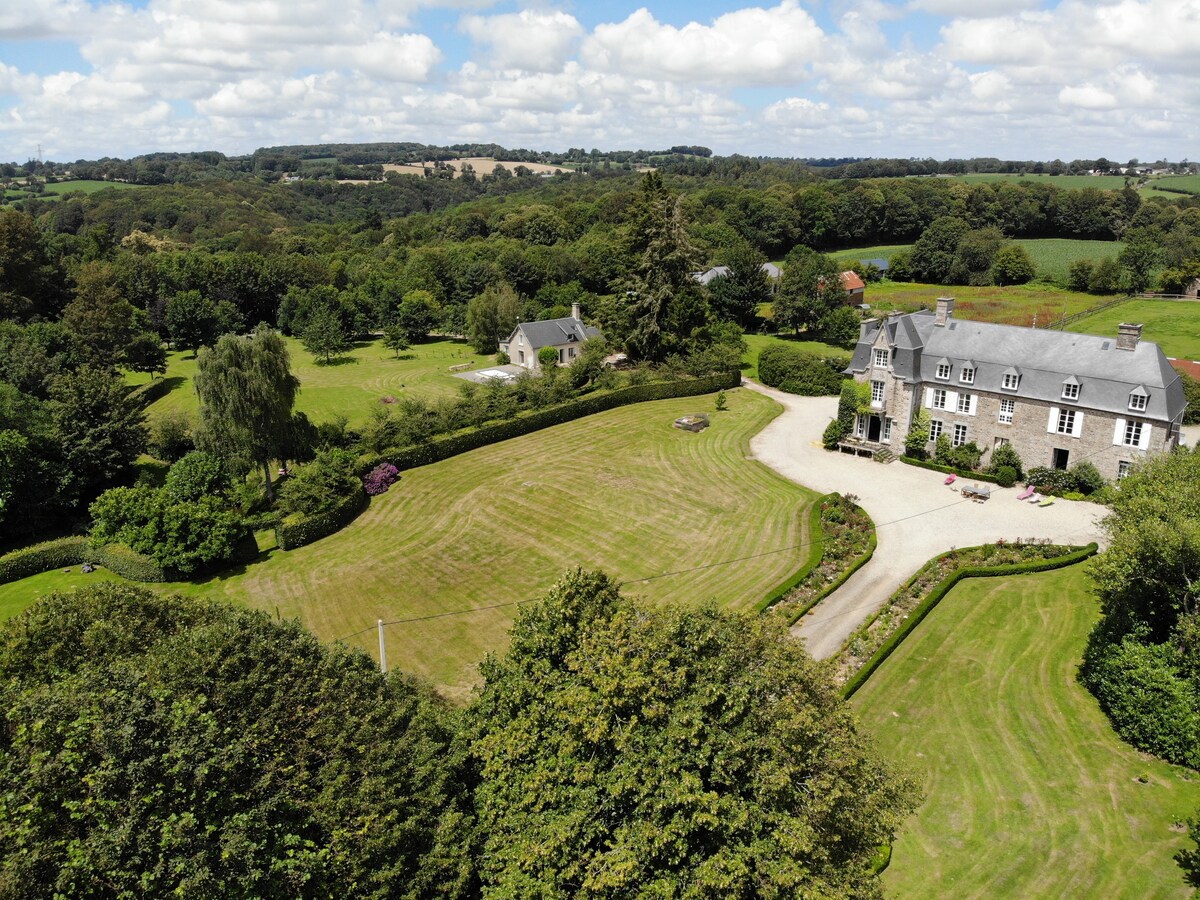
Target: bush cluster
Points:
(56, 554)
(297, 529)
(791, 369)
(1083, 477)
(380, 478)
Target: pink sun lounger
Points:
(1027, 493)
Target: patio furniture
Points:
(1049, 501)
(1027, 493)
(1036, 498)
(976, 492)
(950, 479)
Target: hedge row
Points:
(460, 442)
(816, 552)
(862, 560)
(56, 554)
(949, 470)
(145, 394)
(297, 531)
(940, 590)
(129, 563)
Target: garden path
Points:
(916, 515)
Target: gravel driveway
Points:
(916, 515)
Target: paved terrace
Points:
(916, 515)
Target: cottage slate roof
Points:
(1044, 359)
(773, 271)
(553, 332)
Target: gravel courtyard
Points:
(916, 515)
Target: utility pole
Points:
(382, 647)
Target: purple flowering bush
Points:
(380, 478)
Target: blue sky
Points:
(1010, 78)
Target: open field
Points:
(16, 595)
(1076, 182)
(879, 251)
(622, 491)
(1029, 793)
(87, 186)
(351, 387)
(483, 165)
(1173, 325)
(1052, 256)
(1014, 305)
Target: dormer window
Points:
(1139, 399)
(1012, 378)
(881, 358)
(943, 370)
(967, 373)
(1070, 389)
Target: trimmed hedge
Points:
(816, 552)
(37, 558)
(939, 590)
(862, 560)
(129, 563)
(949, 470)
(145, 394)
(296, 531)
(471, 439)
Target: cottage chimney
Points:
(944, 310)
(575, 312)
(1128, 336)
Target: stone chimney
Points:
(1128, 336)
(575, 312)
(944, 310)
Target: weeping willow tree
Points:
(246, 391)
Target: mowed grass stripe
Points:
(1173, 325)
(621, 491)
(1029, 791)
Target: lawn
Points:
(1075, 182)
(622, 491)
(350, 387)
(1174, 326)
(1051, 256)
(87, 186)
(16, 595)
(1029, 793)
(1188, 183)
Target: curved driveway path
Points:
(916, 515)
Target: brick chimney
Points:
(1128, 336)
(575, 312)
(943, 311)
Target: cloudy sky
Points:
(1026, 79)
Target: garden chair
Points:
(1049, 501)
(1027, 493)
(950, 479)
(1036, 498)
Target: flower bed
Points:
(868, 647)
(846, 541)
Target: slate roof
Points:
(772, 270)
(1044, 359)
(553, 332)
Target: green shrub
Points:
(1006, 476)
(320, 485)
(171, 435)
(1050, 481)
(145, 394)
(1150, 705)
(56, 554)
(129, 563)
(502, 358)
(834, 432)
(197, 475)
(791, 369)
(1086, 477)
(296, 530)
(1006, 455)
(1073, 495)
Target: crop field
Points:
(1188, 183)
(483, 165)
(1029, 792)
(351, 387)
(880, 251)
(1051, 256)
(1173, 325)
(1074, 182)
(621, 491)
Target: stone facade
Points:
(1111, 402)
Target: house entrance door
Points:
(1060, 458)
(873, 426)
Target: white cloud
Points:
(749, 46)
(532, 40)
(969, 9)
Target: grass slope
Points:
(1015, 305)
(350, 387)
(757, 343)
(1029, 791)
(621, 491)
(1051, 256)
(1174, 326)
(16, 595)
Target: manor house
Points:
(1058, 397)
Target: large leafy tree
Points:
(102, 320)
(630, 751)
(247, 392)
(157, 746)
(491, 317)
(325, 336)
(811, 286)
(736, 296)
(192, 320)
